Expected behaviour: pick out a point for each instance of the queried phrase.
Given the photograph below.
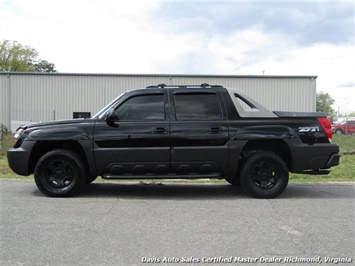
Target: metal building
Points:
(35, 97)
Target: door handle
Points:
(215, 130)
(160, 130)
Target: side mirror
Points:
(111, 118)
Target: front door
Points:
(138, 142)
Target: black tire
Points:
(60, 173)
(339, 132)
(264, 175)
(233, 181)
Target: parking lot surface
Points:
(176, 224)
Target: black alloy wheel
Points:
(264, 175)
(60, 173)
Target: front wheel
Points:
(339, 132)
(264, 175)
(59, 173)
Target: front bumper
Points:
(19, 158)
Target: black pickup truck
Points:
(175, 132)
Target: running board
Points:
(167, 176)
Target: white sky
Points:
(201, 37)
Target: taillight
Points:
(327, 127)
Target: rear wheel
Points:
(264, 175)
(60, 173)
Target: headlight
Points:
(18, 136)
(18, 133)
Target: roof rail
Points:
(162, 85)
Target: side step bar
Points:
(166, 176)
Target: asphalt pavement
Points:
(177, 224)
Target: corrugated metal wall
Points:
(4, 100)
(46, 97)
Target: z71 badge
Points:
(308, 129)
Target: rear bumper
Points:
(334, 160)
(313, 157)
(18, 158)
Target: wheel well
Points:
(278, 147)
(42, 147)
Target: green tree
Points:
(44, 66)
(352, 114)
(324, 104)
(17, 57)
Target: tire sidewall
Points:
(59, 154)
(248, 183)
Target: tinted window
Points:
(197, 106)
(144, 107)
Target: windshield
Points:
(103, 111)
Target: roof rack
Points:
(162, 85)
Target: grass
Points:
(345, 172)
(5, 143)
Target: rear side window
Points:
(143, 107)
(197, 106)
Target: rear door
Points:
(198, 131)
(138, 142)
